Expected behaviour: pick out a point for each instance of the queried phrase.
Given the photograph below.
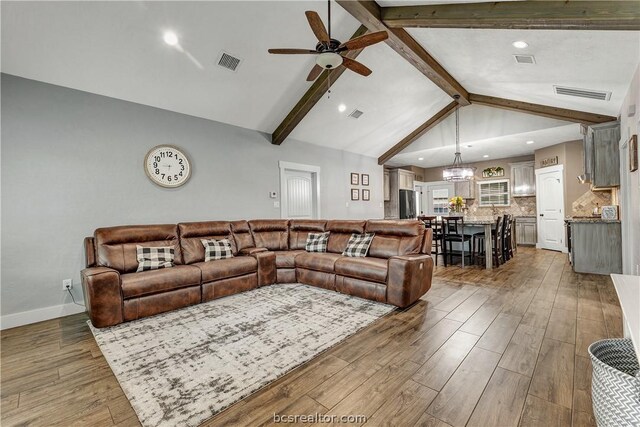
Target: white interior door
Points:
(550, 202)
(300, 191)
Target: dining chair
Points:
(453, 231)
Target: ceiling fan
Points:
(329, 51)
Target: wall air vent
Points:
(356, 113)
(524, 59)
(228, 61)
(582, 93)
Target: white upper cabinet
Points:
(523, 179)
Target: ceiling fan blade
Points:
(355, 66)
(317, 26)
(293, 51)
(315, 72)
(364, 41)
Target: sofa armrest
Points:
(102, 295)
(408, 279)
(266, 267)
(251, 251)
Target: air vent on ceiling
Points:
(525, 59)
(582, 93)
(356, 113)
(228, 61)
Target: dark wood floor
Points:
(484, 348)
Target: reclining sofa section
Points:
(397, 269)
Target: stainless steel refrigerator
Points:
(407, 204)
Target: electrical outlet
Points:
(67, 284)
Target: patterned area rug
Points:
(183, 367)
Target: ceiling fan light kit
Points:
(458, 171)
(329, 60)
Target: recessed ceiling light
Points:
(520, 44)
(420, 158)
(485, 156)
(170, 38)
(530, 142)
(342, 107)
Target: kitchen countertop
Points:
(591, 220)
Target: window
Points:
(440, 201)
(494, 193)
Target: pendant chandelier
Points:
(457, 171)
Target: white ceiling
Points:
(116, 49)
(489, 131)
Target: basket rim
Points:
(600, 363)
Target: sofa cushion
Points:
(225, 268)
(116, 246)
(341, 232)
(395, 238)
(154, 257)
(156, 281)
(372, 269)
(317, 242)
(358, 245)
(286, 259)
(299, 229)
(192, 234)
(317, 261)
(217, 249)
(272, 234)
(242, 235)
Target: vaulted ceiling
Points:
(116, 49)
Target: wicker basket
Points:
(615, 386)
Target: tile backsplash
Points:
(583, 206)
(519, 206)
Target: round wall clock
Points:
(167, 166)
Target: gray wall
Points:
(72, 162)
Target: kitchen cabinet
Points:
(526, 231)
(596, 246)
(386, 186)
(602, 156)
(405, 179)
(465, 189)
(523, 179)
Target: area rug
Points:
(183, 367)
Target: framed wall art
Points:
(366, 195)
(355, 194)
(355, 178)
(365, 179)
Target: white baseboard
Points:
(38, 315)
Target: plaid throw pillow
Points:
(154, 258)
(358, 245)
(317, 242)
(216, 249)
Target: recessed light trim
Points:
(530, 142)
(170, 38)
(485, 156)
(420, 158)
(520, 44)
(342, 108)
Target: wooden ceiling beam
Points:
(527, 15)
(417, 133)
(311, 97)
(540, 110)
(368, 12)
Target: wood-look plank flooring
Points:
(506, 347)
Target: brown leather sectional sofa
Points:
(397, 270)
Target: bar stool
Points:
(497, 237)
(436, 243)
(453, 231)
